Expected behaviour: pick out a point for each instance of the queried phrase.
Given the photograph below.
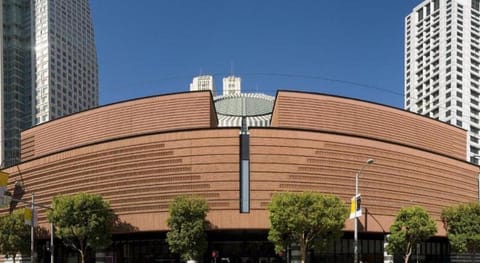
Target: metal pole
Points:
(52, 246)
(355, 234)
(355, 237)
(33, 205)
(32, 232)
(478, 187)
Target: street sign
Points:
(5, 201)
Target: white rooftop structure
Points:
(203, 82)
(255, 107)
(232, 85)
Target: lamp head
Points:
(370, 161)
(19, 184)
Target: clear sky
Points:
(345, 47)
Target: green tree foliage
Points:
(462, 223)
(311, 220)
(82, 221)
(187, 225)
(412, 226)
(14, 235)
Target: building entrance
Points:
(242, 247)
(247, 246)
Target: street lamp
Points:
(19, 185)
(357, 175)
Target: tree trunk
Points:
(13, 257)
(407, 255)
(303, 251)
(82, 251)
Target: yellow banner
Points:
(356, 206)
(352, 207)
(28, 215)
(3, 179)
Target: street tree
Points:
(82, 221)
(187, 223)
(14, 235)
(462, 224)
(412, 226)
(311, 220)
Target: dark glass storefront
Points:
(247, 247)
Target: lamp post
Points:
(355, 242)
(32, 223)
(32, 231)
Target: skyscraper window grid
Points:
(49, 66)
(16, 80)
(71, 84)
(441, 64)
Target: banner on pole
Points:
(356, 206)
(28, 215)
(35, 216)
(3, 179)
(3, 183)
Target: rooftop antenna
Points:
(232, 68)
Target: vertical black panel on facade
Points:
(244, 173)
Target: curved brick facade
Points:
(340, 115)
(161, 113)
(170, 145)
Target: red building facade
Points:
(140, 154)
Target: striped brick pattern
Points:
(140, 174)
(359, 118)
(191, 110)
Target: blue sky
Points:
(349, 48)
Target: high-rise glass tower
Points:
(49, 66)
(16, 77)
(442, 64)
